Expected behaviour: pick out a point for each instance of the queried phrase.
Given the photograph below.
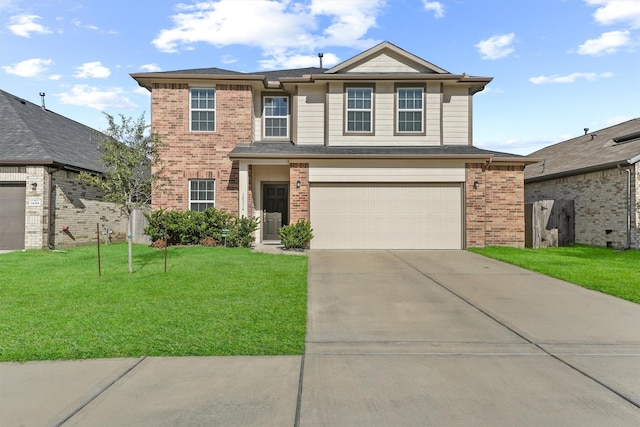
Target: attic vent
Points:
(626, 138)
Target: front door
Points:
(276, 210)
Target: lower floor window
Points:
(201, 194)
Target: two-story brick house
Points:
(376, 152)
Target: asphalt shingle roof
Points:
(593, 151)
(285, 149)
(30, 134)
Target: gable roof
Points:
(415, 68)
(602, 149)
(393, 50)
(32, 135)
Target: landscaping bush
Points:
(296, 236)
(192, 227)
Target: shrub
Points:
(296, 236)
(192, 227)
(241, 232)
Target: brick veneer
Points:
(200, 155)
(298, 197)
(495, 210)
(600, 202)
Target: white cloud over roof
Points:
(100, 99)
(496, 47)
(569, 78)
(434, 6)
(617, 11)
(608, 42)
(285, 30)
(34, 67)
(92, 70)
(25, 25)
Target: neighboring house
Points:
(599, 172)
(376, 152)
(42, 204)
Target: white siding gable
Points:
(385, 63)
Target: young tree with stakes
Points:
(131, 157)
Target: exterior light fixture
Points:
(476, 184)
(298, 184)
(34, 186)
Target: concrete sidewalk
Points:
(394, 338)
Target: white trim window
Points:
(410, 110)
(359, 110)
(202, 194)
(203, 110)
(276, 117)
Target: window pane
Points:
(410, 112)
(359, 106)
(203, 104)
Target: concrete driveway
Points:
(450, 338)
(394, 338)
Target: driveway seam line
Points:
(96, 395)
(505, 325)
(296, 422)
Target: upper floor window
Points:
(276, 117)
(410, 110)
(359, 110)
(201, 194)
(203, 110)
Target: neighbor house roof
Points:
(598, 150)
(286, 150)
(33, 135)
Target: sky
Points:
(559, 66)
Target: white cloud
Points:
(29, 68)
(150, 68)
(569, 78)
(228, 59)
(142, 91)
(617, 11)
(55, 77)
(435, 6)
(286, 61)
(24, 25)
(92, 70)
(497, 47)
(607, 43)
(282, 29)
(87, 96)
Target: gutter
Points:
(571, 172)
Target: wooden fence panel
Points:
(549, 223)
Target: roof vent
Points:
(586, 131)
(42, 94)
(626, 138)
(320, 55)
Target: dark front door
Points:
(276, 210)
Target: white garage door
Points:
(386, 216)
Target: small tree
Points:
(128, 153)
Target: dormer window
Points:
(276, 117)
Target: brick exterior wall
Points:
(200, 155)
(74, 204)
(495, 210)
(298, 197)
(600, 200)
(80, 207)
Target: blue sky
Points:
(558, 65)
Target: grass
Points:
(211, 301)
(606, 270)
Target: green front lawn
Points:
(211, 301)
(601, 269)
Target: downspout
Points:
(628, 246)
(50, 231)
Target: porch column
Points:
(243, 188)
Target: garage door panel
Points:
(386, 216)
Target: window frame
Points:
(371, 110)
(192, 109)
(398, 110)
(211, 202)
(287, 98)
